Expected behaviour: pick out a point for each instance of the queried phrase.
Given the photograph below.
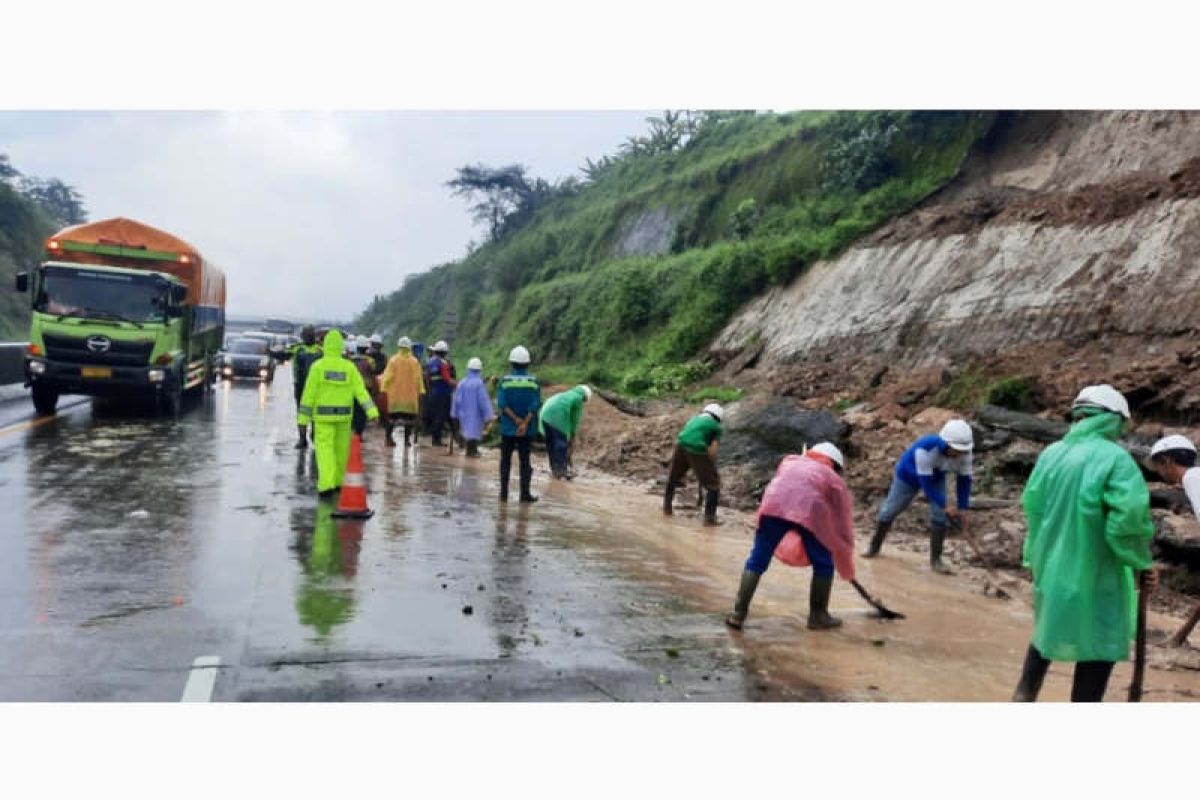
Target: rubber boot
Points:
(741, 606)
(710, 507)
(1033, 674)
(937, 539)
(881, 532)
(390, 441)
(302, 443)
(526, 484)
(819, 618)
(669, 501)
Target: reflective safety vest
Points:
(522, 394)
(332, 387)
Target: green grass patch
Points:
(716, 394)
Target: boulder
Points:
(1177, 539)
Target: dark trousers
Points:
(521, 445)
(358, 420)
(770, 533)
(1088, 686)
(556, 447)
(700, 463)
(439, 415)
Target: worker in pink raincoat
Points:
(807, 499)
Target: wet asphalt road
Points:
(132, 546)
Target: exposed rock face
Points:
(648, 234)
(1064, 226)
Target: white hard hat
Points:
(1104, 397)
(376, 338)
(404, 341)
(518, 355)
(587, 391)
(441, 347)
(474, 363)
(958, 435)
(715, 410)
(362, 342)
(1173, 442)
(831, 452)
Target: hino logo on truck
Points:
(99, 344)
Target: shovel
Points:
(883, 610)
(1139, 649)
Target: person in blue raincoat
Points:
(472, 407)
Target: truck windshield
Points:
(102, 295)
(252, 346)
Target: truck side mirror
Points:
(179, 293)
(174, 312)
(22, 281)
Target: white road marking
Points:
(201, 680)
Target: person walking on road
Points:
(378, 358)
(330, 390)
(1174, 459)
(403, 386)
(1088, 514)
(303, 356)
(558, 423)
(807, 498)
(362, 361)
(923, 468)
(439, 373)
(696, 450)
(472, 408)
(518, 399)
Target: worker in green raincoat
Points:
(1088, 512)
(332, 386)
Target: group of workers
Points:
(345, 381)
(1086, 503)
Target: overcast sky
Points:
(309, 214)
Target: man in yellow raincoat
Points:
(403, 385)
(332, 386)
(1088, 511)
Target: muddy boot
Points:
(668, 501)
(741, 606)
(819, 618)
(937, 539)
(881, 532)
(710, 507)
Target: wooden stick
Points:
(1182, 634)
(883, 610)
(1139, 657)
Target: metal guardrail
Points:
(12, 355)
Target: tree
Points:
(7, 170)
(59, 200)
(495, 192)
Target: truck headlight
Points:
(262, 373)
(156, 375)
(228, 360)
(37, 367)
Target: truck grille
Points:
(74, 349)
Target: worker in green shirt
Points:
(558, 424)
(696, 450)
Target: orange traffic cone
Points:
(353, 500)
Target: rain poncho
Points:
(401, 382)
(1088, 511)
(472, 407)
(812, 494)
(564, 412)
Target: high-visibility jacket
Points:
(520, 393)
(333, 385)
(303, 356)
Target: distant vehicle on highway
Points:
(248, 357)
(277, 343)
(119, 309)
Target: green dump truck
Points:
(121, 309)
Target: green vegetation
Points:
(973, 387)
(751, 200)
(1012, 393)
(30, 210)
(716, 394)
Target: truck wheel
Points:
(45, 400)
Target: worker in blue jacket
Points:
(518, 399)
(923, 468)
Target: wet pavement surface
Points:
(131, 547)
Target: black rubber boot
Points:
(1033, 673)
(937, 539)
(741, 606)
(881, 532)
(669, 501)
(710, 507)
(390, 441)
(526, 485)
(819, 618)
(302, 442)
